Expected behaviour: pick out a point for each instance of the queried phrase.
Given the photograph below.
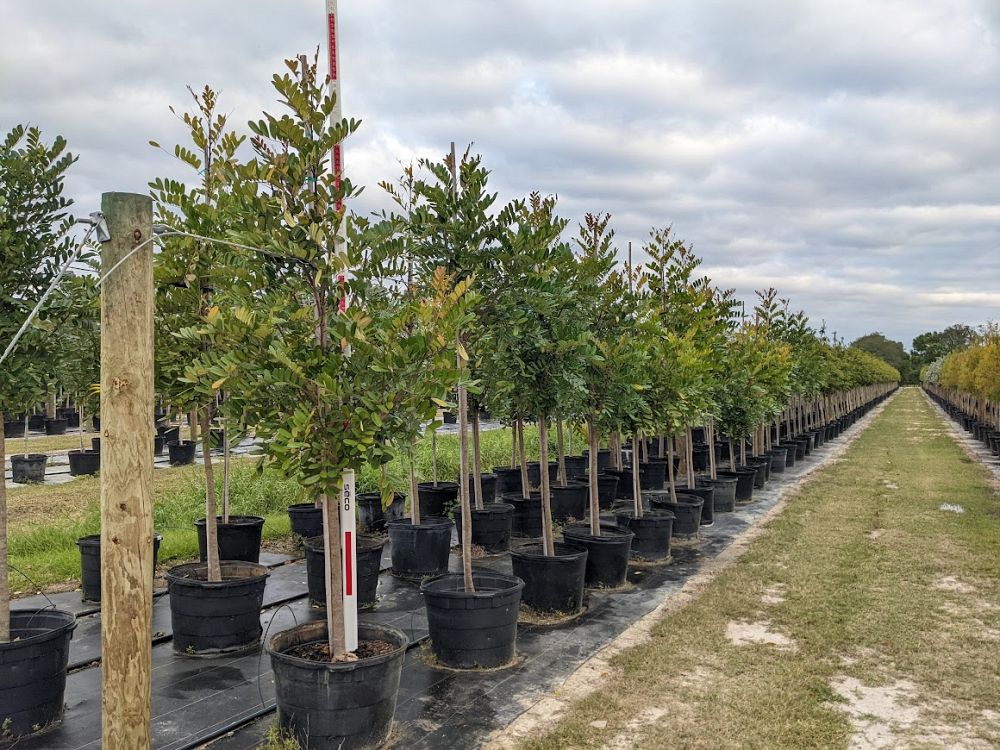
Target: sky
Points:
(846, 153)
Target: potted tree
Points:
(214, 604)
(310, 367)
(35, 225)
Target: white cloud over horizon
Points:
(847, 154)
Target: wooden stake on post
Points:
(127, 472)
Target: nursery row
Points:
(337, 339)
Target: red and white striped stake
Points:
(348, 525)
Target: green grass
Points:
(861, 565)
(46, 521)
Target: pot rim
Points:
(428, 586)
(370, 541)
(439, 486)
(29, 457)
(573, 553)
(239, 521)
(174, 578)
(607, 534)
(68, 625)
(401, 640)
(426, 522)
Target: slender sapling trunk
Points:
(211, 531)
(732, 456)
(560, 454)
(636, 492)
(414, 496)
(710, 432)
(477, 474)
(543, 450)
(595, 503)
(225, 473)
(463, 489)
(525, 486)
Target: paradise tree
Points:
(317, 377)
(34, 234)
(191, 278)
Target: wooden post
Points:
(127, 472)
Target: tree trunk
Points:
(225, 473)
(414, 494)
(79, 410)
(211, 530)
(689, 447)
(463, 485)
(4, 575)
(543, 451)
(560, 454)
(732, 456)
(513, 445)
(710, 433)
(525, 486)
(50, 405)
(477, 475)
(743, 451)
(434, 456)
(636, 492)
(336, 637)
(595, 503)
(671, 479)
(193, 422)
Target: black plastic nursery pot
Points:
(551, 584)
(801, 448)
(83, 463)
(491, 526)
(652, 474)
(763, 467)
(306, 520)
(603, 458)
(369, 559)
(348, 704)
(158, 444)
(607, 490)
(576, 467)
(652, 530)
(707, 494)
(13, 429)
(569, 502)
(181, 452)
(488, 482)
(33, 672)
(170, 434)
(238, 540)
(216, 618)
(474, 629)
(436, 500)
(624, 489)
(56, 426)
(527, 517)
(687, 511)
(372, 516)
(791, 454)
(743, 491)
(724, 499)
(90, 565)
(95, 445)
(422, 550)
(37, 422)
(778, 459)
(508, 479)
(535, 475)
(699, 456)
(607, 554)
(29, 469)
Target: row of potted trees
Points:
(338, 339)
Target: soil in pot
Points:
(491, 526)
(90, 565)
(437, 501)
(238, 540)
(551, 584)
(725, 492)
(216, 618)
(527, 517)
(84, 463)
(347, 704)
(607, 554)
(181, 452)
(687, 511)
(707, 494)
(33, 672)
(29, 469)
(476, 629)
(369, 558)
(306, 520)
(422, 550)
(569, 502)
(56, 426)
(652, 531)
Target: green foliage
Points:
(34, 243)
(933, 345)
(891, 351)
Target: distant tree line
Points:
(927, 348)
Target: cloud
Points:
(845, 153)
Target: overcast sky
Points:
(846, 153)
